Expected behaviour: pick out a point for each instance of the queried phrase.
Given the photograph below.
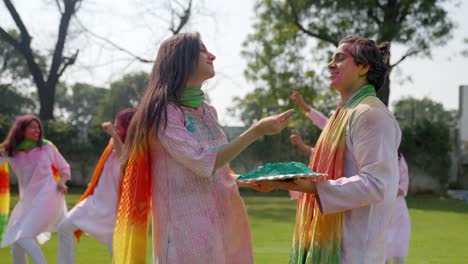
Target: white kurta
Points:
(400, 227)
(95, 215)
(366, 194)
(41, 206)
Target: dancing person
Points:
(95, 211)
(42, 173)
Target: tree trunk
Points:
(46, 100)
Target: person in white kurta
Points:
(95, 215)
(367, 190)
(40, 207)
(400, 227)
(41, 204)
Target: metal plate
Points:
(316, 177)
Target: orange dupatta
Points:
(133, 210)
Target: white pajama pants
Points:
(24, 246)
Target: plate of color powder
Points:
(282, 171)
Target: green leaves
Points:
(426, 139)
(292, 41)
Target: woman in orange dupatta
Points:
(176, 167)
(346, 218)
(95, 211)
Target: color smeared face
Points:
(344, 72)
(205, 68)
(32, 131)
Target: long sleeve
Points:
(60, 163)
(319, 119)
(183, 145)
(404, 175)
(374, 137)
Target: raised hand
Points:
(296, 139)
(274, 124)
(297, 98)
(108, 127)
(299, 101)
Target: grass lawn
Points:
(439, 232)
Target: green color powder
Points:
(279, 168)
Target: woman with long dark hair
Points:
(42, 173)
(95, 211)
(175, 165)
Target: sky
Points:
(140, 25)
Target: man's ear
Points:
(363, 69)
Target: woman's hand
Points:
(267, 126)
(273, 124)
(108, 127)
(296, 97)
(296, 140)
(61, 187)
(261, 186)
(298, 184)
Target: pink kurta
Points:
(366, 194)
(95, 215)
(198, 214)
(41, 206)
(400, 228)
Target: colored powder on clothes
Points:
(279, 168)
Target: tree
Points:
(427, 135)
(79, 103)
(122, 93)
(410, 111)
(46, 73)
(13, 104)
(290, 34)
(13, 67)
(45, 80)
(180, 13)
